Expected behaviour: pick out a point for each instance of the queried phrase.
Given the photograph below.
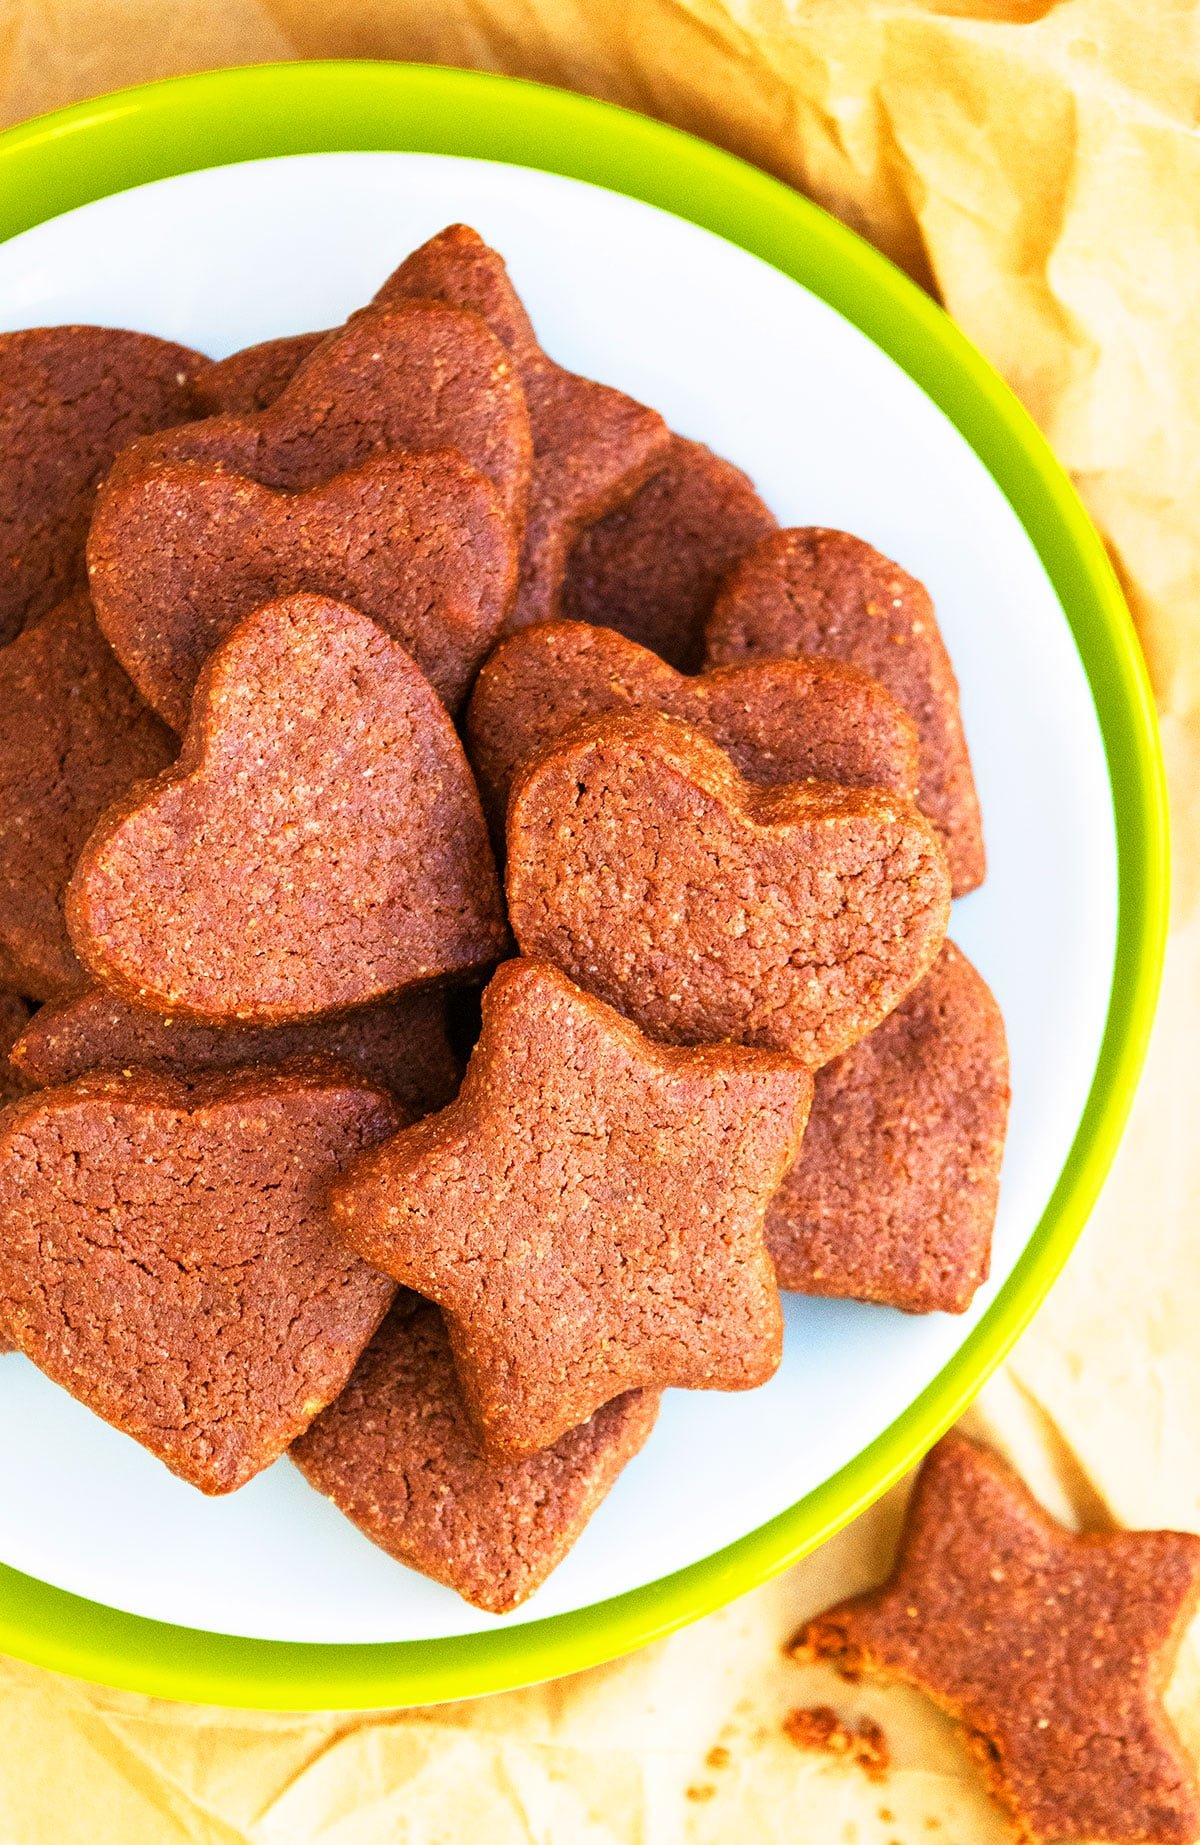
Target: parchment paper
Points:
(1038, 164)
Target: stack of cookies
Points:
(360, 672)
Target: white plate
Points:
(833, 433)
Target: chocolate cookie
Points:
(180, 552)
(416, 377)
(707, 908)
(253, 378)
(592, 446)
(166, 1255)
(588, 1211)
(319, 845)
(812, 591)
(1052, 1650)
(397, 1453)
(74, 737)
(70, 399)
(893, 1197)
(15, 1014)
(778, 720)
(652, 568)
(404, 1046)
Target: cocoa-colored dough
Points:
(404, 1046)
(588, 1211)
(652, 568)
(15, 1014)
(778, 720)
(253, 378)
(592, 446)
(417, 377)
(1052, 1650)
(398, 1454)
(180, 552)
(814, 591)
(74, 737)
(70, 400)
(319, 845)
(707, 908)
(894, 1195)
(166, 1255)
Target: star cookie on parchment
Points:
(1052, 1649)
(588, 1212)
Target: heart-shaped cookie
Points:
(70, 399)
(813, 591)
(399, 1455)
(893, 1197)
(74, 737)
(707, 908)
(592, 446)
(403, 1047)
(417, 377)
(178, 553)
(588, 1211)
(166, 1255)
(778, 720)
(319, 845)
(653, 567)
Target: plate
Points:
(760, 326)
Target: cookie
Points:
(592, 446)
(74, 737)
(652, 568)
(180, 552)
(318, 846)
(253, 378)
(894, 1195)
(166, 1255)
(70, 400)
(15, 1014)
(417, 377)
(778, 720)
(813, 591)
(403, 1047)
(588, 1211)
(707, 908)
(397, 1453)
(1053, 1650)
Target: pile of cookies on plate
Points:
(360, 673)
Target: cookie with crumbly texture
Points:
(709, 909)
(1052, 1650)
(592, 445)
(652, 568)
(587, 1212)
(814, 591)
(253, 377)
(15, 1014)
(74, 737)
(318, 846)
(403, 1047)
(417, 377)
(166, 1255)
(777, 720)
(70, 399)
(894, 1195)
(398, 1454)
(179, 552)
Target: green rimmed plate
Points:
(762, 326)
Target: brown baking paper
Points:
(1039, 165)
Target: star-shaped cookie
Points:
(588, 1212)
(1053, 1650)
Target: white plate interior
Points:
(833, 433)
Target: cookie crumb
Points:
(717, 1757)
(820, 1729)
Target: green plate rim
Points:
(79, 154)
